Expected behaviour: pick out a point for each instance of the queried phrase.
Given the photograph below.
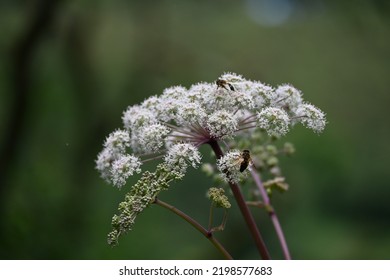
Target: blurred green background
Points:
(69, 68)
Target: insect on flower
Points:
(223, 84)
(245, 160)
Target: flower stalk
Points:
(206, 233)
(272, 214)
(250, 221)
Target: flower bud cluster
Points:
(141, 195)
(218, 197)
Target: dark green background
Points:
(69, 68)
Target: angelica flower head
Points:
(203, 113)
(170, 127)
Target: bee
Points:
(223, 84)
(245, 160)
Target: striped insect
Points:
(245, 160)
(224, 84)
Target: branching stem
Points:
(208, 234)
(223, 223)
(211, 217)
(244, 208)
(274, 218)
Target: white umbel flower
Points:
(262, 94)
(274, 120)
(104, 161)
(230, 107)
(197, 92)
(151, 103)
(229, 166)
(180, 155)
(311, 117)
(191, 113)
(123, 168)
(242, 99)
(136, 116)
(173, 125)
(222, 124)
(175, 92)
(287, 97)
(151, 138)
(117, 141)
(170, 101)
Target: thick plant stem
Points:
(250, 221)
(195, 224)
(272, 214)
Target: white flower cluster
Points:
(229, 166)
(216, 110)
(151, 137)
(180, 155)
(205, 112)
(118, 141)
(274, 120)
(313, 118)
(221, 124)
(123, 168)
(113, 163)
(288, 98)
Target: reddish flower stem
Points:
(250, 221)
(272, 214)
